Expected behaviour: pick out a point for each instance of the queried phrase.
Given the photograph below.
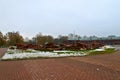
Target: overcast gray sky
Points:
(54, 17)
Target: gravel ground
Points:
(99, 67)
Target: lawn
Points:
(106, 51)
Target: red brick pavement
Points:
(100, 67)
(2, 51)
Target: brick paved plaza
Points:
(99, 67)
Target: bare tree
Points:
(43, 39)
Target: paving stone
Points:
(99, 67)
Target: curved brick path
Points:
(100, 67)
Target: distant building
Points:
(77, 37)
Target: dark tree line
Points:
(2, 39)
(13, 38)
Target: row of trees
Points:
(12, 38)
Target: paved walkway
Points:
(100, 67)
(2, 51)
